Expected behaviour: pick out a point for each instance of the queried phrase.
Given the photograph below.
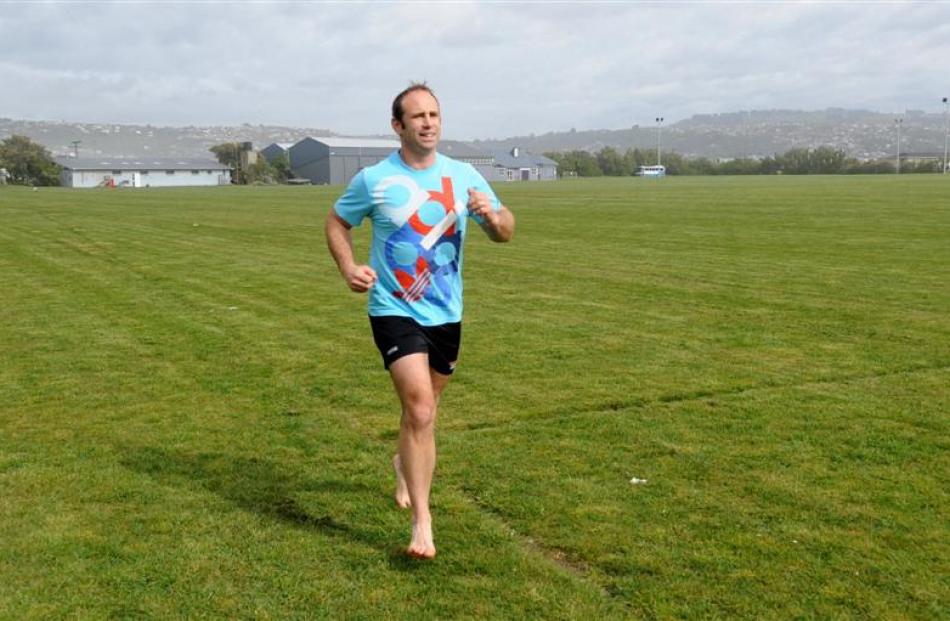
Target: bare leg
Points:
(403, 501)
(402, 491)
(418, 394)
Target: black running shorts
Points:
(399, 336)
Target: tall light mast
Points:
(898, 123)
(946, 132)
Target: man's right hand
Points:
(360, 278)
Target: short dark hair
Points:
(413, 86)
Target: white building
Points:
(86, 172)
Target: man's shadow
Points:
(263, 487)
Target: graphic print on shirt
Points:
(423, 252)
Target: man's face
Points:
(421, 125)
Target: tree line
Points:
(609, 162)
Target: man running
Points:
(418, 201)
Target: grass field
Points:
(194, 422)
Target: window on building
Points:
(196, 172)
(116, 172)
(144, 173)
(169, 172)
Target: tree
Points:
(229, 154)
(582, 163)
(610, 162)
(821, 161)
(674, 163)
(828, 161)
(281, 166)
(795, 162)
(261, 172)
(28, 163)
(579, 163)
(871, 167)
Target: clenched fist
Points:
(480, 205)
(360, 278)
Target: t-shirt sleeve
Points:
(355, 203)
(478, 182)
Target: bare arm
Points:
(498, 225)
(359, 278)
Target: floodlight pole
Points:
(659, 124)
(898, 123)
(946, 132)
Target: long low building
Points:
(85, 172)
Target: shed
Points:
(275, 150)
(334, 160)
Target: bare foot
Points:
(402, 492)
(421, 545)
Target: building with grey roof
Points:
(520, 165)
(88, 172)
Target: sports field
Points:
(194, 422)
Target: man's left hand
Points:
(480, 205)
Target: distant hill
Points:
(113, 140)
(860, 133)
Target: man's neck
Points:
(417, 161)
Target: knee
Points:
(419, 414)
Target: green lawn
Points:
(194, 422)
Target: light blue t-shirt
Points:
(419, 224)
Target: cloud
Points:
(500, 69)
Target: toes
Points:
(425, 554)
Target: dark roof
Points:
(139, 163)
(455, 148)
(344, 142)
(524, 159)
(283, 146)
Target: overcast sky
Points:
(499, 68)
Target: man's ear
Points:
(397, 126)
